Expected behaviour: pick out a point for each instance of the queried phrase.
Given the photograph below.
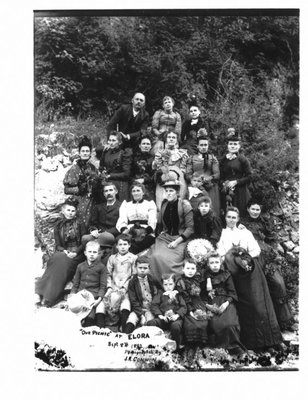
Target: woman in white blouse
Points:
(259, 326)
(233, 236)
(138, 217)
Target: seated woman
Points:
(62, 265)
(258, 321)
(235, 175)
(263, 231)
(206, 165)
(175, 224)
(115, 163)
(138, 218)
(82, 180)
(190, 129)
(171, 158)
(164, 121)
(142, 171)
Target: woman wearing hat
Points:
(258, 321)
(62, 265)
(164, 121)
(235, 175)
(206, 165)
(175, 224)
(170, 162)
(82, 180)
(138, 218)
(115, 163)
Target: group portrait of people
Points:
(125, 229)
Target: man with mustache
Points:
(131, 120)
(105, 215)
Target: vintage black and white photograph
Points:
(166, 190)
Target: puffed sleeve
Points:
(152, 216)
(247, 172)
(126, 166)
(71, 180)
(188, 220)
(184, 159)
(253, 247)
(222, 248)
(158, 160)
(57, 237)
(215, 169)
(156, 122)
(123, 218)
(178, 124)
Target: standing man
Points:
(131, 120)
(105, 215)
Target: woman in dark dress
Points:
(235, 176)
(263, 231)
(62, 265)
(190, 129)
(142, 171)
(175, 226)
(219, 294)
(258, 321)
(115, 164)
(206, 165)
(82, 180)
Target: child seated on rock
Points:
(195, 322)
(169, 308)
(195, 190)
(206, 223)
(120, 269)
(141, 290)
(90, 276)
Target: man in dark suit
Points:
(105, 215)
(131, 120)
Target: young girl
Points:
(207, 224)
(169, 308)
(195, 190)
(195, 322)
(120, 269)
(218, 292)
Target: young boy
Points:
(120, 269)
(141, 290)
(91, 275)
(195, 190)
(169, 308)
(207, 225)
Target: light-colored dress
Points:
(163, 122)
(174, 160)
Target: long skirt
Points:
(259, 325)
(59, 271)
(164, 260)
(195, 331)
(225, 327)
(84, 210)
(277, 289)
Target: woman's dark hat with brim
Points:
(71, 201)
(174, 184)
(232, 136)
